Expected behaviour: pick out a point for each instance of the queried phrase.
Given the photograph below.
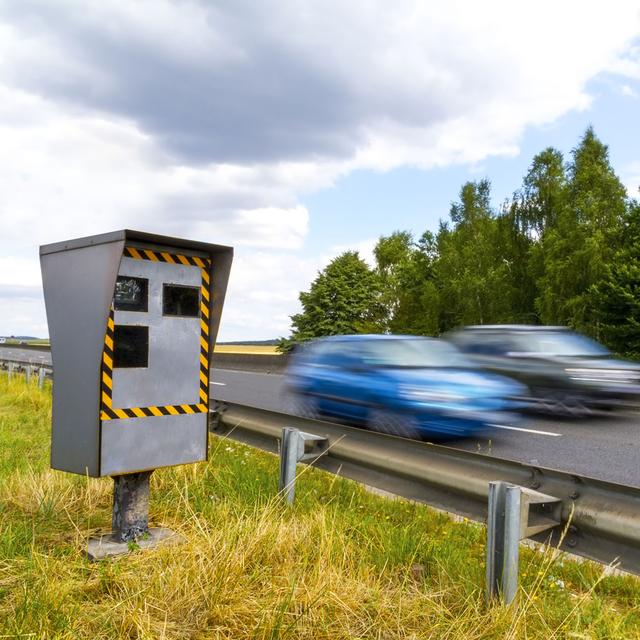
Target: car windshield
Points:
(413, 352)
(562, 343)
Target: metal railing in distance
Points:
(601, 520)
(14, 366)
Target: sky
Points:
(292, 130)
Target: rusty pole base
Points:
(130, 520)
(130, 517)
(101, 547)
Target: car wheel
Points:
(394, 424)
(305, 407)
(576, 407)
(562, 404)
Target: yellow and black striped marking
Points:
(108, 412)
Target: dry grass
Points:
(340, 564)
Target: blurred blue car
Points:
(403, 385)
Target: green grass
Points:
(341, 563)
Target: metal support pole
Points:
(130, 519)
(512, 535)
(503, 539)
(495, 538)
(293, 451)
(288, 463)
(41, 376)
(514, 513)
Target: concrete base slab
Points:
(100, 547)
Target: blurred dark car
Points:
(564, 371)
(403, 385)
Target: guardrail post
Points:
(512, 535)
(27, 374)
(514, 513)
(41, 374)
(288, 463)
(495, 538)
(293, 451)
(10, 368)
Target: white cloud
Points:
(628, 91)
(19, 272)
(69, 176)
(210, 121)
(363, 82)
(263, 291)
(78, 175)
(628, 65)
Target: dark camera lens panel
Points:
(132, 294)
(180, 301)
(131, 346)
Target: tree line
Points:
(563, 250)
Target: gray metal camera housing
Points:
(133, 319)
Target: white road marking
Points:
(540, 433)
(220, 384)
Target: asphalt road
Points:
(26, 355)
(604, 447)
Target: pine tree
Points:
(616, 297)
(582, 240)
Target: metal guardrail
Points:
(23, 365)
(601, 519)
(39, 370)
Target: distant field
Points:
(254, 349)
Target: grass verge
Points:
(341, 563)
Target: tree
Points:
(583, 239)
(473, 277)
(419, 308)
(543, 194)
(515, 248)
(409, 294)
(616, 297)
(564, 250)
(344, 298)
(521, 228)
(393, 255)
